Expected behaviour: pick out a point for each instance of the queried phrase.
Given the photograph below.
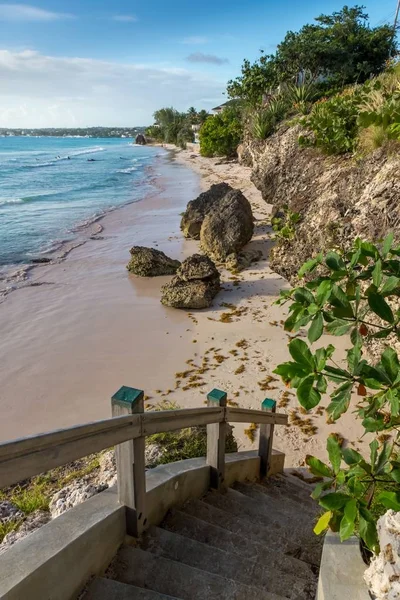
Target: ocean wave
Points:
(128, 170)
(11, 201)
(87, 151)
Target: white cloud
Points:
(195, 40)
(200, 57)
(125, 18)
(40, 91)
(23, 12)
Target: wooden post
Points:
(216, 434)
(130, 459)
(266, 438)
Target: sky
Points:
(81, 63)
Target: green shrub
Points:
(334, 124)
(355, 293)
(221, 134)
(284, 225)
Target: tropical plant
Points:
(356, 293)
(284, 224)
(334, 124)
(301, 95)
(221, 134)
(265, 119)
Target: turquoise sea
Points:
(50, 188)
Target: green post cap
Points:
(127, 395)
(268, 404)
(217, 396)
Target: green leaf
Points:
(387, 244)
(317, 467)
(309, 266)
(390, 500)
(340, 401)
(353, 358)
(334, 500)
(390, 284)
(323, 523)
(377, 273)
(316, 329)
(374, 445)
(380, 307)
(321, 384)
(390, 363)
(370, 424)
(395, 474)
(323, 292)
(303, 295)
(369, 249)
(368, 533)
(348, 519)
(334, 261)
(334, 452)
(383, 458)
(307, 395)
(356, 337)
(289, 370)
(339, 327)
(351, 457)
(319, 488)
(301, 354)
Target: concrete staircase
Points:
(254, 542)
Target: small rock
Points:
(108, 469)
(195, 284)
(148, 262)
(239, 262)
(32, 522)
(72, 495)
(9, 512)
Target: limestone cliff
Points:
(338, 197)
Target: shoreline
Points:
(94, 334)
(16, 276)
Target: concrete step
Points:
(237, 503)
(302, 481)
(289, 487)
(272, 575)
(108, 589)
(230, 534)
(266, 531)
(279, 504)
(146, 570)
(289, 526)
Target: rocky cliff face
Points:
(338, 197)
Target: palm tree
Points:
(192, 115)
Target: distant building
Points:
(219, 109)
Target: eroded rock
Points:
(227, 227)
(149, 262)
(197, 209)
(239, 262)
(9, 512)
(32, 522)
(195, 284)
(383, 574)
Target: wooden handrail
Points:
(26, 457)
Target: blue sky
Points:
(92, 62)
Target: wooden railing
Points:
(127, 430)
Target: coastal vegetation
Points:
(89, 132)
(174, 127)
(353, 293)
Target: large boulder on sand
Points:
(197, 209)
(195, 284)
(227, 227)
(140, 139)
(149, 262)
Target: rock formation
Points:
(227, 227)
(197, 209)
(383, 574)
(195, 284)
(338, 197)
(149, 262)
(140, 139)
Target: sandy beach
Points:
(86, 326)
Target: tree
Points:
(192, 115)
(221, 134)
(339, 49)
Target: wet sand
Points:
(86, 326)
